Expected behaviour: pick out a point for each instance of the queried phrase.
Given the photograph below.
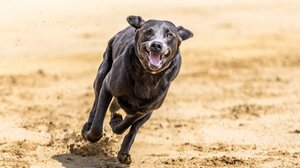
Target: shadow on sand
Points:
(70, 160)
(86, 155)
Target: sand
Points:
(236, 102)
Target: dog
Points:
(138, 66)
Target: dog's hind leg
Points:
(119, 126)
(115, 118)
(123, 154)
(104, 68)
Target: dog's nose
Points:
(156, 46)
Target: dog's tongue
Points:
(154, 59)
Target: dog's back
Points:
(122, 40)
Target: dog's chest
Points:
(146, 95)
(147, 89)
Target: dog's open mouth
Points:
(157, 59)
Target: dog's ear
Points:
(184, 33)
(135, 21)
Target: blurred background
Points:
(235, 103)
(35, 28)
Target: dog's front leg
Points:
(103, 70)
(95, 133)
(123, 154)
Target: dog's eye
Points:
(149, 32)
(170, 35)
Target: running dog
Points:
(138, 66)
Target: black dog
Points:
(138, 67)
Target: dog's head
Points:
(157, 42)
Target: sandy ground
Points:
(236, 102)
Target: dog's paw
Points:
(85, 128)
(115, 120)
(124, 158)
(88, 135)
